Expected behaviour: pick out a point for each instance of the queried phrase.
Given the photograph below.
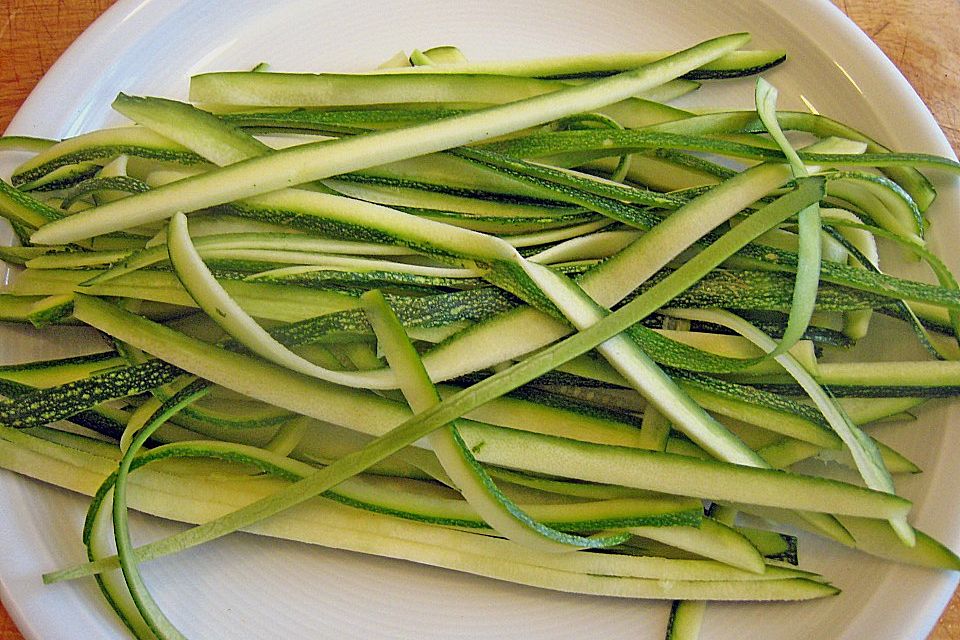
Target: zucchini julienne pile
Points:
(518, 320)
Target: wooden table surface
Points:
(918, 35)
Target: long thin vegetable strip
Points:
(25, 143)
(861, 446)
(24, 209)
(43, 406)
(686, 619)
(320, 121)
(55, 371)
(104, 144)
(615, 142)
(297, 165)
(146, 605)
(654, 430)
(286, 303)
(643, 374)
(98, 538)
(221, 308)
(808, 223)
(305, 262)
(598, 64)
(233, 145)
(151, 256)
(312, 90)
(103, 187)
(904, 171)
(943, 274)
(473, 482)
(142, 414)
(544, 178)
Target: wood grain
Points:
(918, 35)
(33, 34)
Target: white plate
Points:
(249, 588)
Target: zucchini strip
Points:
(686, 619)
(304, 163)
(902, 170)
(473, 482)
(286, 303)
(265, 241)
(110, 185)
(25, 143)
(643, 374)
(733, 63)
(864, 451)
(43, 406)
(151, 612)
(224, 310)
(22, 208)
(808, 223)
(226, 146)
(233, 89)
(102, 146)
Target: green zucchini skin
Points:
(78, 365)
(44, 406)
(97, 421)
(102, 146)
(731, 65)
(19, 207)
